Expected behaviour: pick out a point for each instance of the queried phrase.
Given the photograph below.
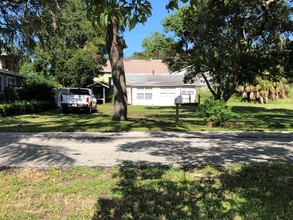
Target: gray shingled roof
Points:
(155, 80)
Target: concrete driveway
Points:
(169, 148)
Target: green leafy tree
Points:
(138, 56)
(56, 36)
(234, 41)
(156, 46)
(68, 47)
(13, 30)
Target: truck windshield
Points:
(79, 91)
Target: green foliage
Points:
(157, 46)
(123, 13)
(11, 94)
(232, 40)
(68, 48)
(82, 66)
(25, 107)
(264, 89)
(37, 87)
(215, 111)
(204, 94)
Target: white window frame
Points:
(144, 93)
(167, 91)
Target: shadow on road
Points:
(213, 148)
(17, 150)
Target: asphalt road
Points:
(168, 148)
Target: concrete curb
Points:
(140, 135)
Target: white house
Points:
(149, 82)
(198, 80)
(158, 90)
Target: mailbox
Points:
(178, 100)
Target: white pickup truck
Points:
(78, 98)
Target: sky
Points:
(135, 37)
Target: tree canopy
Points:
(233, 41)
(68, 47)
(55, 37)
(156, 46)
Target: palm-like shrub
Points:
(264, 90)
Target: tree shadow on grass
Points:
(258, 117)
(252, 192)
(57, 122)
(143, 194)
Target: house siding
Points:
(159, 95)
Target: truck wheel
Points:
(90, 109)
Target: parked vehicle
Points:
(78, 98)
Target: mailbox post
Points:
(178, 102)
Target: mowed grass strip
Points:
(52, 194)
(255, 191)
(274, 116)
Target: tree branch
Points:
(209, 85)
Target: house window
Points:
(11, 82)
(187, 91)
(168, 91)
(144, 93)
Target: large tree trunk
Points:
(115, 46)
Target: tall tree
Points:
(57, 34)
(115, 16)
(232, 40)
(13, 31)
(68, 48)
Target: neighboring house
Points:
(132, 67)
(158, 90)
(149, 82)
(142, 67)
(135, 67)
(9, 77)
(199, 80)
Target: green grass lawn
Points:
(274, 116)
(252, 191)
(237, 192)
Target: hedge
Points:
(25, 107)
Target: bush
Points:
(25, 107)
(37, 88)
(11, 94)
(215, 111)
